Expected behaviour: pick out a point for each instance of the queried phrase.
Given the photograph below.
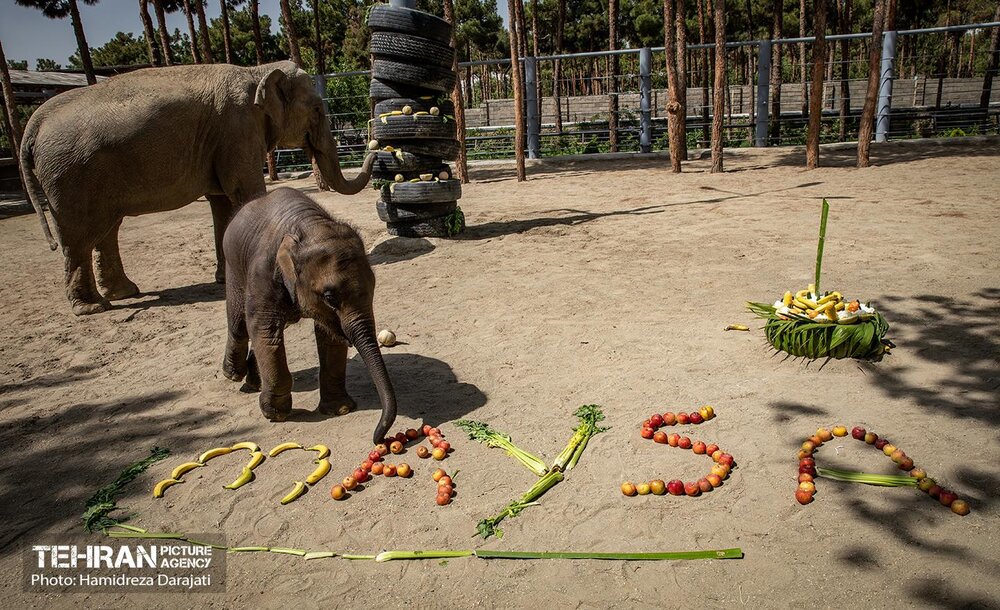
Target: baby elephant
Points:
(287, 259)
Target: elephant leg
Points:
(234, 363)
(110, 272)
(222, 212)
(333, 398)
(81, 287)
(253, 373)
(275, 379)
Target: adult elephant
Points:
(155, 140)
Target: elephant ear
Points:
(286, 264)
(270, 96)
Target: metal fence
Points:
(931, 85)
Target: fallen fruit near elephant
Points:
(439, 454)
(396, 447)
(214, 453)
(676, 487)
(349, 483)
(629, 488)
(657, 487)
(338, 492)
(803, 497)
(423, 452)
(404, 470)
(282, 448)
(642, 489)
(322, 468)
(184, 468)
(160, 488)
(386, 338)
(960, 507)
(298, 490)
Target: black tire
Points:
(431, 227)
(410, 175)
(446, 150)
(403, 162)
(421, 104)
(385, 18)
(392, 213)
(428, 77)
(403, 193)
(424, 126)
(380, 90)
(402, 47)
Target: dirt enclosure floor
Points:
(594, 282)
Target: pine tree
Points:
(59, 9)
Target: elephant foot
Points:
(232, 370)
(81, 308)
(276, 408)
(340, 405)
(122, 290)
(253, 374)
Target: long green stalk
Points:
(589, 416)
(488, 527)
(882, 480)
(719, 554)
(391, 555)
(819, 247)
(482, 432)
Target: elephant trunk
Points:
(325, 158)
(361, 332)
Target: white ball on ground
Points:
(386, 337)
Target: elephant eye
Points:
(330, 297)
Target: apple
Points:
(692, 489)
(439, 453)
(889, 449)
(815, 440)
(858, 433)
(425, 429)
(657, 487)
(918, 474)
(656, 420)
(906, 463)
(698, 447)
(871, 438)
(642, 489)
(824, 434)
(711, 449)
(374, 456)
(684, 442)
(423, 452)
(338, 492)
(396, 447)
(720, 470)
(925, 484)
(676, 488)
(438, 474)
(947, 497)
(628, 488)
(647, 424)
(381, 449)
(669, 419)
(444, 445)
(714, 479)
(805, 476)
(718, 453)
(881, 443)
(390, 470)
(349, 483)
(808, 447)
(367, 465)
(960, 507)
(360, 475)
(704, 485)
(808, 486)
(935, 491)
(683, 419)
(404, 470)
(412, 434)
(673, 439)
(804, 497)
(707, 412)
(727, 459)
(401, 437)
(443, 499)
(378, 468)
(840, 431)
(696, 418)
(897, 456)
(646, 433)
(660, 437)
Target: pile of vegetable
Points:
(724, 462)
(917, 477)
(814, 324)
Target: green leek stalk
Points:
(819, 247)
(488, 527)
(719, 554)
(391, 555)
(482, 432)
(882, 480)
(589, 415)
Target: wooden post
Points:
(718, 105)
(515, 70)
(461, 164)
(871, 93)
(673, 86)
(816, 91)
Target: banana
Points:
(245, 477)
(179, 471)
(840, 306)
(802, 294)
(255, 459)
(213, 453)
(162, 486)
(321, 471)
(300, 488)
(421, 113)
(737, 327)
(830, 309)
(833, 296)
(797, 302)
(787, 299)
(283, 447)
(323, 450)
(811, 289)
(246, 445)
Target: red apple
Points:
(858, 432)
(673, 439)
(881, 443)
(683, 419)
(696, 418)
(805, 476)
(727, 459)
(946, 497)
(698, 447)
(338, 492)
(870, 438)
(381, 449)
(704, 485)
(669, 419)
(425, 429)
(691, 488)
(676, 488)
(906, 463)
(396, 447)
(804, 497)
(684, 442)
(935, 491)
(360, 475)
(711, 449)
(367, 465)
(714, 479)
(390, 470)
(656, 420)
(412, 434)
(350, 483)
(660, 437)
(401, 437)
(918, 473)
(375, 456)
(646, 432)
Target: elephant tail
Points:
(33, 189)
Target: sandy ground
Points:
(604, 283)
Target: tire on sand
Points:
(389, 212)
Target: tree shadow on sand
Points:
(425, 388)
(63, 456)
(888, 153)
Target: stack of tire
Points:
(413, 123)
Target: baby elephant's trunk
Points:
(361, 332)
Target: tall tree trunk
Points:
(674, 117)
(802, 57)
(161, 26)
(719, 103)
(227, 41)
(538, 69)
(613, 74)
(777, 17)
(522, 34)
(706, 129)
(81, 43)
(318, 33)
(195, 53)
(456, 97)
(991, 65)
(258, 40)
(516, 75)
(681, 24)
(816, 90)
(871, 93)
(149, 33)
(206, 43)
(11, 117)
(293, 39)
(845, 10)
(557, 65)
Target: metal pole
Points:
(645, 100)
(763, 91)
(531, 101)
(885, 86)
